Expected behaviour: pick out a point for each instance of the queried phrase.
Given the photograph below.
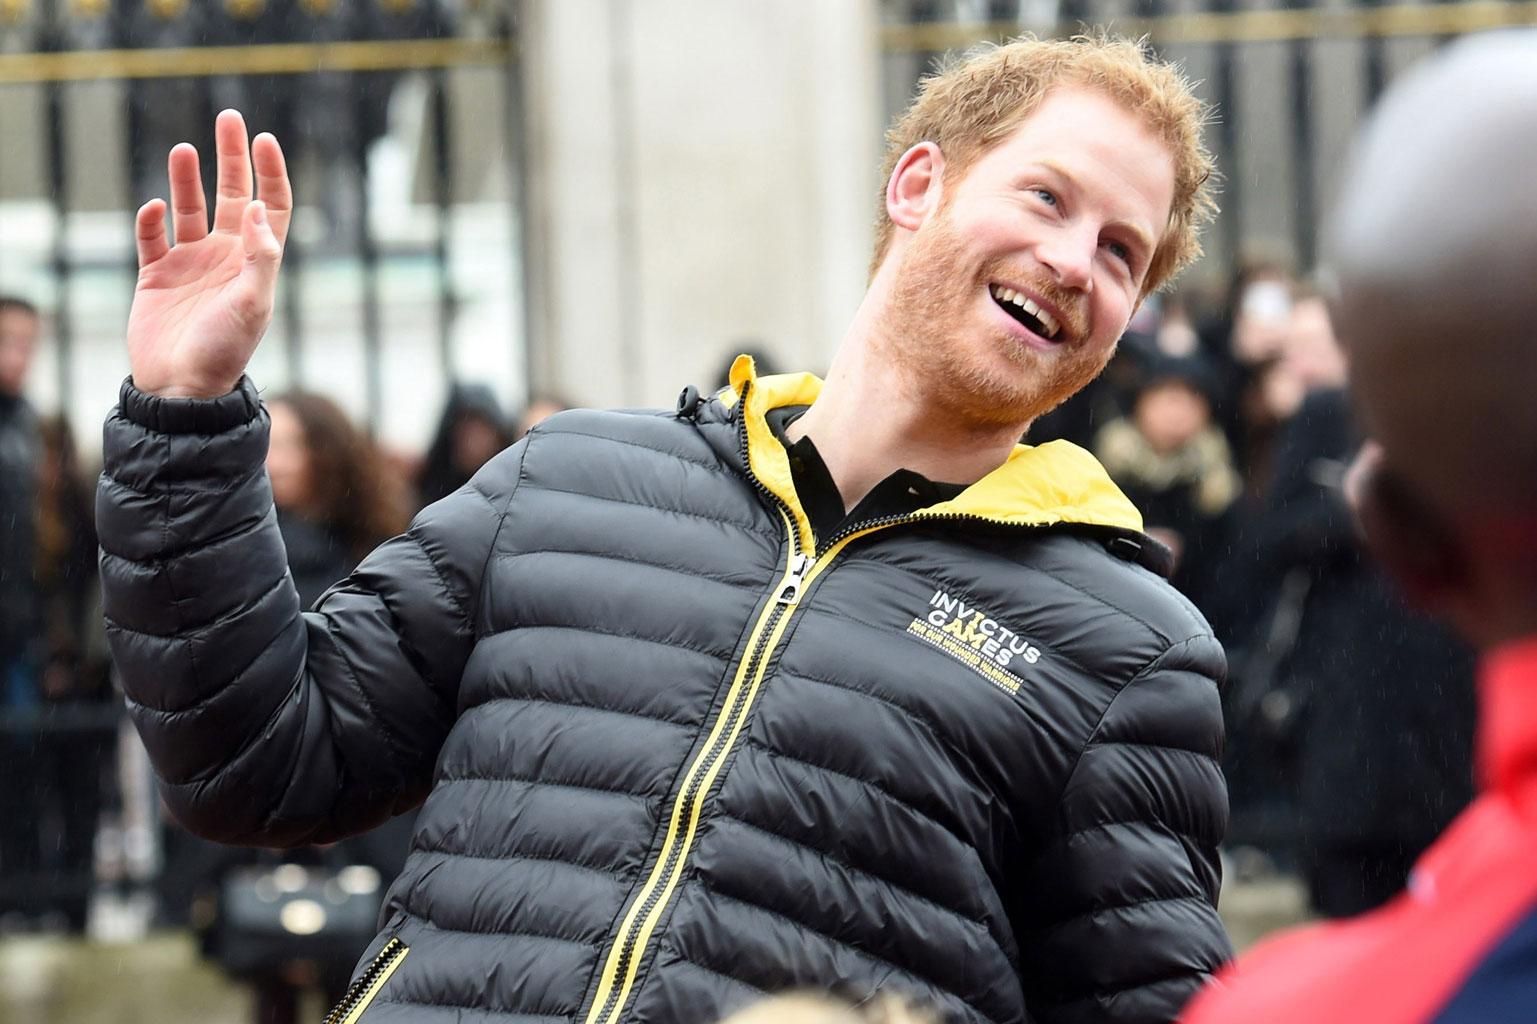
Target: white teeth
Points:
(1048, 322)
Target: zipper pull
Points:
(790, 593)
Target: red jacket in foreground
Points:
(1460, 944)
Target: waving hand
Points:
(201, 305)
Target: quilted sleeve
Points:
(1124, 921)
(266, 725)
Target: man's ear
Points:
(913, 193)
(1424, 556)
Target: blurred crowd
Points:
(1350, 718)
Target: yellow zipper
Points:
(646, 911)
(369, 983)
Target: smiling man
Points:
(801, 684)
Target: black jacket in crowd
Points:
(20, 453)
(675, 757)
(1386, 756)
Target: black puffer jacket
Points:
(672, 761)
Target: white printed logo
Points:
(976, 639)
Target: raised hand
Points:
(200, 306)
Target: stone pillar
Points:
(701, 174)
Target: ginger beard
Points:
(965, 365)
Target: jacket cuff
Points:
(190, 415)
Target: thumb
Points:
(263, 254)
(263, 251)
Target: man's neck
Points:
(871, 420)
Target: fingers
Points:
(272, 183)
(149, 232)
(263, 254)
(189, 211)
(234, 155)
(235, 183)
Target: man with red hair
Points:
(801, 684)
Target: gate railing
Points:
(1324, 47)
(316, 72)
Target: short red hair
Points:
(971, 104)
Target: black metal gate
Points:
(1324, 62)
(93, 94)
(317, 73)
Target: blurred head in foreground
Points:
(1435, 249)
(1434, 244)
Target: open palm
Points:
(200, 306)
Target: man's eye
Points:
(1048, 197)
(1119, 251)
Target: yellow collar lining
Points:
(1037, 485)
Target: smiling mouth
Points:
(1023, 308)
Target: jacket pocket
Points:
(363, 991)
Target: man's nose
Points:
(1069, 255)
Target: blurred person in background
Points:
(539, 409)
(21, 654)
(1243, 343)
(78, 722)
(336, 497)
(1174, 334)
(697, 698)
(1173, 462)
(1365, 719)
(1258, 393)
(1271, 395)
(1437, 311)
(471, 429)
(1311, 354)
(1255, 321)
